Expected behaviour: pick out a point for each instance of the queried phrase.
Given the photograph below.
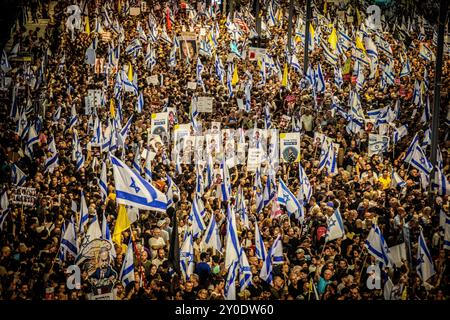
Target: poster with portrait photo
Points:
(258, 138)
(290, 147)
(240, 153)
(213, 145)
(172, 116)
(215, 127)
(159, 125)
(188, 46)
(199, 149)
(188, 149)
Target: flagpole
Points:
(291, 13)
(308, 20)
(437, 89)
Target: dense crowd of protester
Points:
(362, 190)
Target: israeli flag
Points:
(69, 239)
(230, 284)
(245, 272)
(295, 64)
(195, 217)
(18, 177)
(319, 80)
(187, 256)
(441, 183)
(274, 256)
(447, 233)
(211, 239)
(286, 198)
(377, 246)
(397, 181)
(224, 189)
(103, 182)
(425, 267)
(140, 103)
(377, 144)
(260, 249)
(417, 93)
(399, 133)
(338, 79)
(172, 189)
(84, 213)
(305, 185)
(133, 190)
(420, 161)
(411, 148)
(426, 53)
(335, 227)
(127, 271)
(233, 247)
(406, 69)
(51, 162)
(426, 115)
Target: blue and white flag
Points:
(135, 191)
(417, 93)
(260, 249)
(406, 69)
(69, 239)
(426, 53)
(245, 272)
(103, 182)
(399, 133)
(335, 228)
(32, 139)
(426, 139)
(305, 185)
(4, 65)
(420, 161)
(106, 234)
(446, 233)
(51, 162)
(187, 256)
(200, 69)
(377, 246)
(195, 217)
(241, 208)
(426, 115)
(230, 283)
(127, 271)
(140, 103)
(84, 213)
(338, 79)
(411, 148)
(441, 184)
(287, 198)
(233, 247)
(274, 256)
(377, 144)
(17, 176)
(319, 80)
(211, 239)
(396, 180)
(224, 189)
(425, 267)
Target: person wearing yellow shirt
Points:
(385, 180)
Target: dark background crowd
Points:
(362, 190)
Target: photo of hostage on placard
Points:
(188, 47)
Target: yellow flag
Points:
(359, 44)
(311, 30)
(235, 78)
(284, 82)
(358, 16)
(122, 224)
(112, 110)
(130, 72)
(347, 66)
(332, 39)
(325, 7)
(87, 28)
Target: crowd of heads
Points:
(362, 189)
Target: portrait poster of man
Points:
(215, 127)
(258, 138)
(160, 124)
(199, 148)
(188, 149)
(95, 259)
(290, 146)
(188, 46)
(213, 145)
